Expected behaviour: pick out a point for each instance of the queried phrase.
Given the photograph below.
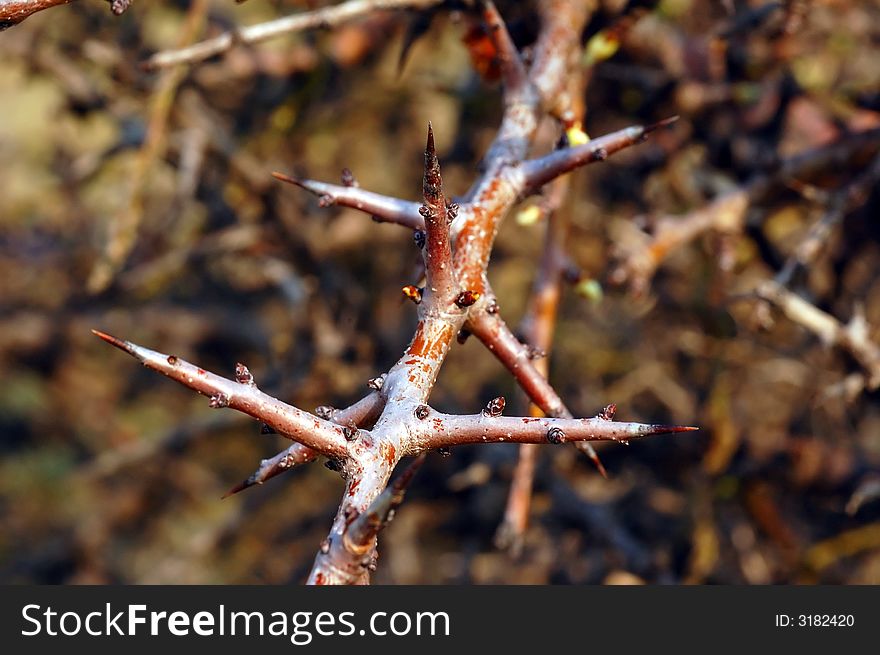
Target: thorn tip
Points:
(594, 457)
(656, 126)
(668, 429)
(429, 144)
(278, 175)
(114, 341)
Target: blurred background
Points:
(141, 203)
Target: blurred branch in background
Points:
(325, 18)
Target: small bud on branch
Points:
(495, 407)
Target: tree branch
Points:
(492, 330)
(537, 172)
(513, 71)
(307, 429)
(383, 208)
(360, 414)
(457, 295)
(447, 430)
(360, 537)
(500, 184)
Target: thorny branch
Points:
(361, 414)
(366, 442)
(446, 430)
(383, 208)
(242, 394)
(538, 172)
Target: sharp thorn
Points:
(667, 429)
(590, 452)
(429, 145)
(288, 178)
(594, 457)
(656, 126)
(127, 346)
(241, 486)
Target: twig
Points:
(457, 292)
(513, 71)
(501, 183)
(309, 430)
(537, 172)
(325, 17)
(447, 430)
(382, 208)
(494, 196)
(361, 413)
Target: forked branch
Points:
(362, 413)
(366, 441)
